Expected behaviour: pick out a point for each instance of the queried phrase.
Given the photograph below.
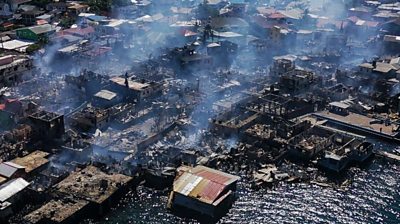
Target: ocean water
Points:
(372, 197)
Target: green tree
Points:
(67, 22)
(32, 48)
(41, 3)
(100, 5)
(121, 2)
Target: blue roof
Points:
(7, 170)
(237, 1)
(97, 18)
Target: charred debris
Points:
(191, 97)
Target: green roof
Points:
(40, 29)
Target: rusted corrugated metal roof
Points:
(215, 177)
(203, 183)
(211, 191)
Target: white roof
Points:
(86, 14)
(115, 23)
(227, 34)
(15, 44)
(340, 105)
(11, 188)
(105, 94)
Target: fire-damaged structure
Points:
(277, 105)
(136, 89)
(194, 98)
(344, 151)
(13, 67)
(269, 140)
(95, 186)
(47, 125)
(90, 118)
(66, 210)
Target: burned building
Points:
(87, 81)
(11, 111)
(66, 210)
(297, 81)
(231, 103)
(12, 67)
(344, 150)
(138, 90)
(105, 98)
(269, 140)
(341, 117)
(47, 125)
(10, 170)
(278, 130)
(281, 106)
(25, 167)
(282, 66)
(234, 122)
(310, 143)
(33, 163)
(95, 186)
(90, 118)
(336, 93)
(12, 194)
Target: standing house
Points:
(59, 6)
(29, 17)
(14, 4)
(5, 10)
(76, 9)
(36, 33)
(203, 190)
(86, 32)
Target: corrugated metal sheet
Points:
(197, 187)
(14, 165)
(11, 188)
(211, 192)
(181, 182)
(7, 170)
(193, 181)
(203, 183)
(213, 176)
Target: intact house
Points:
(36, 33)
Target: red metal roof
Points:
(80, 31)
(41, 22)
(188, 33)
(268, 24)
(211, 191)
(203, 183)
(11, 105)
(277, 15)
(7, 24)
(338, 24)
(353, 19)
(215, 177)
(98, 51)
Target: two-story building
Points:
(36, 33)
